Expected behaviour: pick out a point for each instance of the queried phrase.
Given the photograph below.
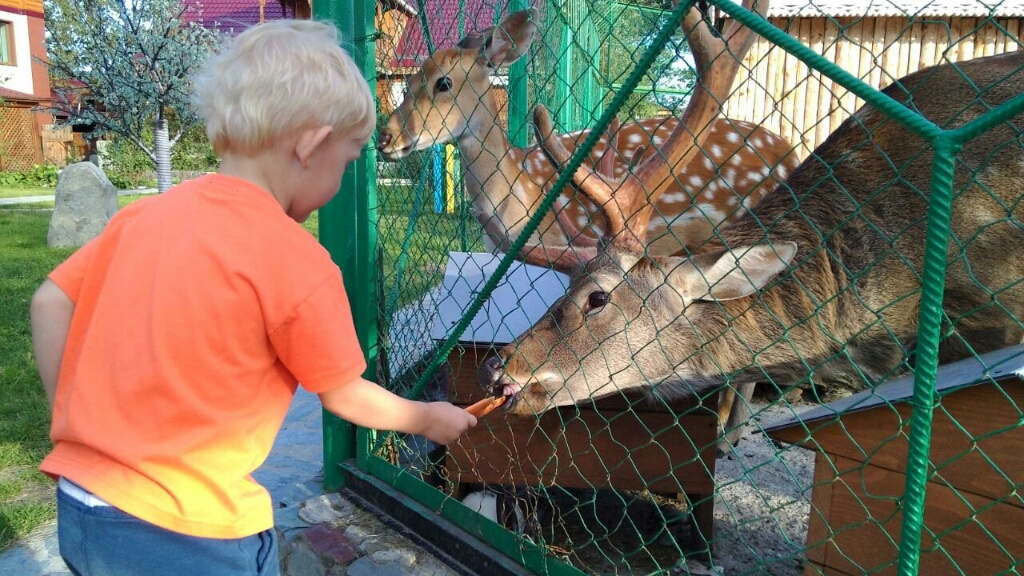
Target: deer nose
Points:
(490, 371)
(384, 138)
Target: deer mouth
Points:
(396, 153)
(509, 389)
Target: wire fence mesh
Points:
(789, 343)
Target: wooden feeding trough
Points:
(973, 509)
(621, 442)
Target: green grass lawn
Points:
(26, 496)
(21, 192)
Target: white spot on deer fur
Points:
(709, 195)
(518, 191)
(708, 164)
(716, 151)
(709, 212)
(733, 137)
(635, 139)
(755, 142)
(780, 171)
(696, 181)
(733, 200)
(673, 197)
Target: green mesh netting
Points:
(859, 450)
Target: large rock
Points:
(84, 203)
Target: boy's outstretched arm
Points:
(366, 404)
(51, 312)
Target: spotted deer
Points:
(451, 98)
(817, 286)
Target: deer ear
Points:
(475, 40)
(509, 41)
(735, 273)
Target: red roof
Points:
(231, 16)
(15, 96)
(443, 23)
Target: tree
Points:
(134, 60)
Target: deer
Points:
(450, 98)
(816, 287)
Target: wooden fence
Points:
(58, 144)
(780, 92)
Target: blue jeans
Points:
(104, 541)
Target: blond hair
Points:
(278, 77)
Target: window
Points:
(6, 43)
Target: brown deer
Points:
(450, 98)
(818, 285)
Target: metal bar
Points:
(523, 551)
(348, 228)
(923, 401)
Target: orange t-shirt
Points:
(197, 312)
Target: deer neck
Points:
(496, 175)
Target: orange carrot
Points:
(485, 406)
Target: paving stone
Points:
(325, 508)
(400, 556)
(303, 561)
(331, 544)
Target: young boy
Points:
(171, 345)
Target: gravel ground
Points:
(762, 502)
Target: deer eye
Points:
(443, 84)
(596, 300)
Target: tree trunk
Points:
(162, 148)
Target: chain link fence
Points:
(788, 343)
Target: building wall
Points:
(19, 76)
(781, 93)
(20, 137)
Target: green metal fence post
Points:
(575, 90)
(518, 112)
(348, 227)
(939, 208)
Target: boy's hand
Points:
(445, 422)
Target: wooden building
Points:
(973, 505)
(877, 42)
(24, 84)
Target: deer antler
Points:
(717, 62)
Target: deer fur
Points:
(818, 285)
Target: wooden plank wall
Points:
(780, 92)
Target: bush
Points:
(129, 167)
(39, 176)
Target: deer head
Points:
(450, 98)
